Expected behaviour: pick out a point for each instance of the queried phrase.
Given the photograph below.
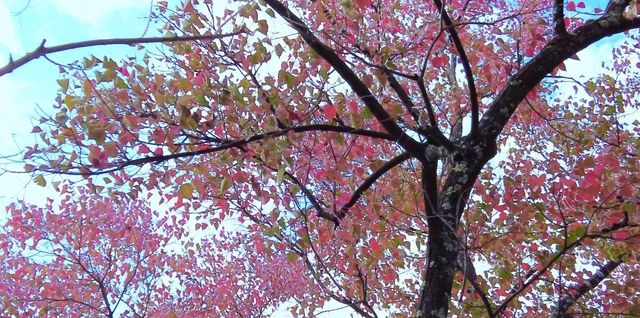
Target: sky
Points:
(24, 24)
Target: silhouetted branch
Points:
(473, 93)
(559, 27)
(228, 145)
(555, 52)
(42, 50)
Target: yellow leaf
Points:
(39, 180)
(186, 190)
(64, 84)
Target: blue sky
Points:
(24, 24)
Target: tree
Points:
(362, 143)
(92, 255)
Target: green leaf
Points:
(225, 184)
(280, 174)
(629, 207)
(270, 12)
(292, 257)
(71, 102)
(87, 63)
(120, 83)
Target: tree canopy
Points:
(400, 158)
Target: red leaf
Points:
(330, 111)
(374, 245)
(581, 5)
(388, 276)
(362, 4)
(144, 149)
(571, 6)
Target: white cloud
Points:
(94, 12)
(591, 58)
(8, 37)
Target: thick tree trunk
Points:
(444, 207)
(438, 278)
(442, 249)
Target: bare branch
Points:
(559, 27)
(42, 50)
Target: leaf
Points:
(263, 27)
(374, 245)
(88, 63)
(64, 85)
(225, 184)
(39, 180)
(186, 190)
(97, 132)
(329, 111)
(70, 102)
(292, 257)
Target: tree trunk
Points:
(438, 278)
(442, 248)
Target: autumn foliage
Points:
(396, 158)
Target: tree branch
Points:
(534, 277)
(473, 93)
(371, 179)
(320, 212)
(555, 52)
(569, 300)
(230, 144)
(427, 102)
(402, 94)
(559, 27)
(409, 144)
(43, 50)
